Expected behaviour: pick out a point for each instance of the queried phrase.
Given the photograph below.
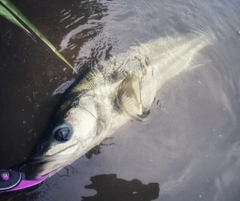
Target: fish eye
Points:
(62, 133)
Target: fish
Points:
(116, 90)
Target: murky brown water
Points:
(190, 148)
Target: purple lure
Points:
(11, 180)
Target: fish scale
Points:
(116, 90)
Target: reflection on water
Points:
(97, 149)
(191, 145)
(63, 87)
(83, 24)
(110, 188)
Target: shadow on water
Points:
(110, 188)
(107, 187)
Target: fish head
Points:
(68, 136)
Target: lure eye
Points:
(62, 134)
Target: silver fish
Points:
(116, 90)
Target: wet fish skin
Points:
(116, 90)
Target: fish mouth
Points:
(51, 164)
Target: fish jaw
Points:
(87, 130)
(50, 164)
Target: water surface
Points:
(189, 150)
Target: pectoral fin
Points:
(128, 97)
